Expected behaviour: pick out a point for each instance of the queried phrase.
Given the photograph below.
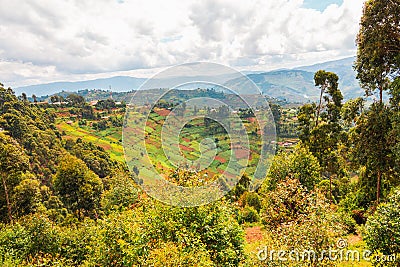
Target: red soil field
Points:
(251, 119)
(63, 114)
(227, 174)
(162, 112)
(152, 142)
(105, 146)
(220, 159)
(185, 148)
(242, 153)
(253, 234)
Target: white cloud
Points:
(47, 40)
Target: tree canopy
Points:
(378, 44)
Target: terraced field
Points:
(109, 139)
(189, 151)
(193, 146)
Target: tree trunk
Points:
(7, 199)
(380, 95)
(319, 106)
(378, 187)
(330, 187)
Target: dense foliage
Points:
(67, 202)
(382, 229)
(39, 169)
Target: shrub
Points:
(211, 226)
(79, 188)
(30, 237)
(299, 164)
(248, 214)
(121, 194)
(299, 220)
(250, 199)
(382, 231)
(170, 255)
(285, 204)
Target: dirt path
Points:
(253, 234)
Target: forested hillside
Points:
(58, 191)
(68, 199)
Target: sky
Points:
(44, 41)
(320, 4)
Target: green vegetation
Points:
(67, 199)
(382, 232)
(100, 133)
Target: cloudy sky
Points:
(67, 40)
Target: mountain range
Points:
(292, 85)
(297, 85)
(117, 84)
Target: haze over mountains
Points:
(117, 83)
(293, 85)
(347, 76)
(297, 85)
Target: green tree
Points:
(277, 114)
(80, 189)
(395, 134)
(24, 97)
(95, 157)
(240, 188)
(351, 111)
(54, 99)
(75, 100)
(170, 254)
(211, 227)
(14, 122)
(121, 194)
(33, 128)
(327, 82)
(378, 42)
(106, 104)
(324, 137)
(299, 219)
(371, 148)
(28, 195)
(382, 229)
(87, 112)
(306, 119)
(299, 164)
(13, 162)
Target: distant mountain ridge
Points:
(292, 85)
(297, 84)
(289, 85)
(117, 84)
(347, 76)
